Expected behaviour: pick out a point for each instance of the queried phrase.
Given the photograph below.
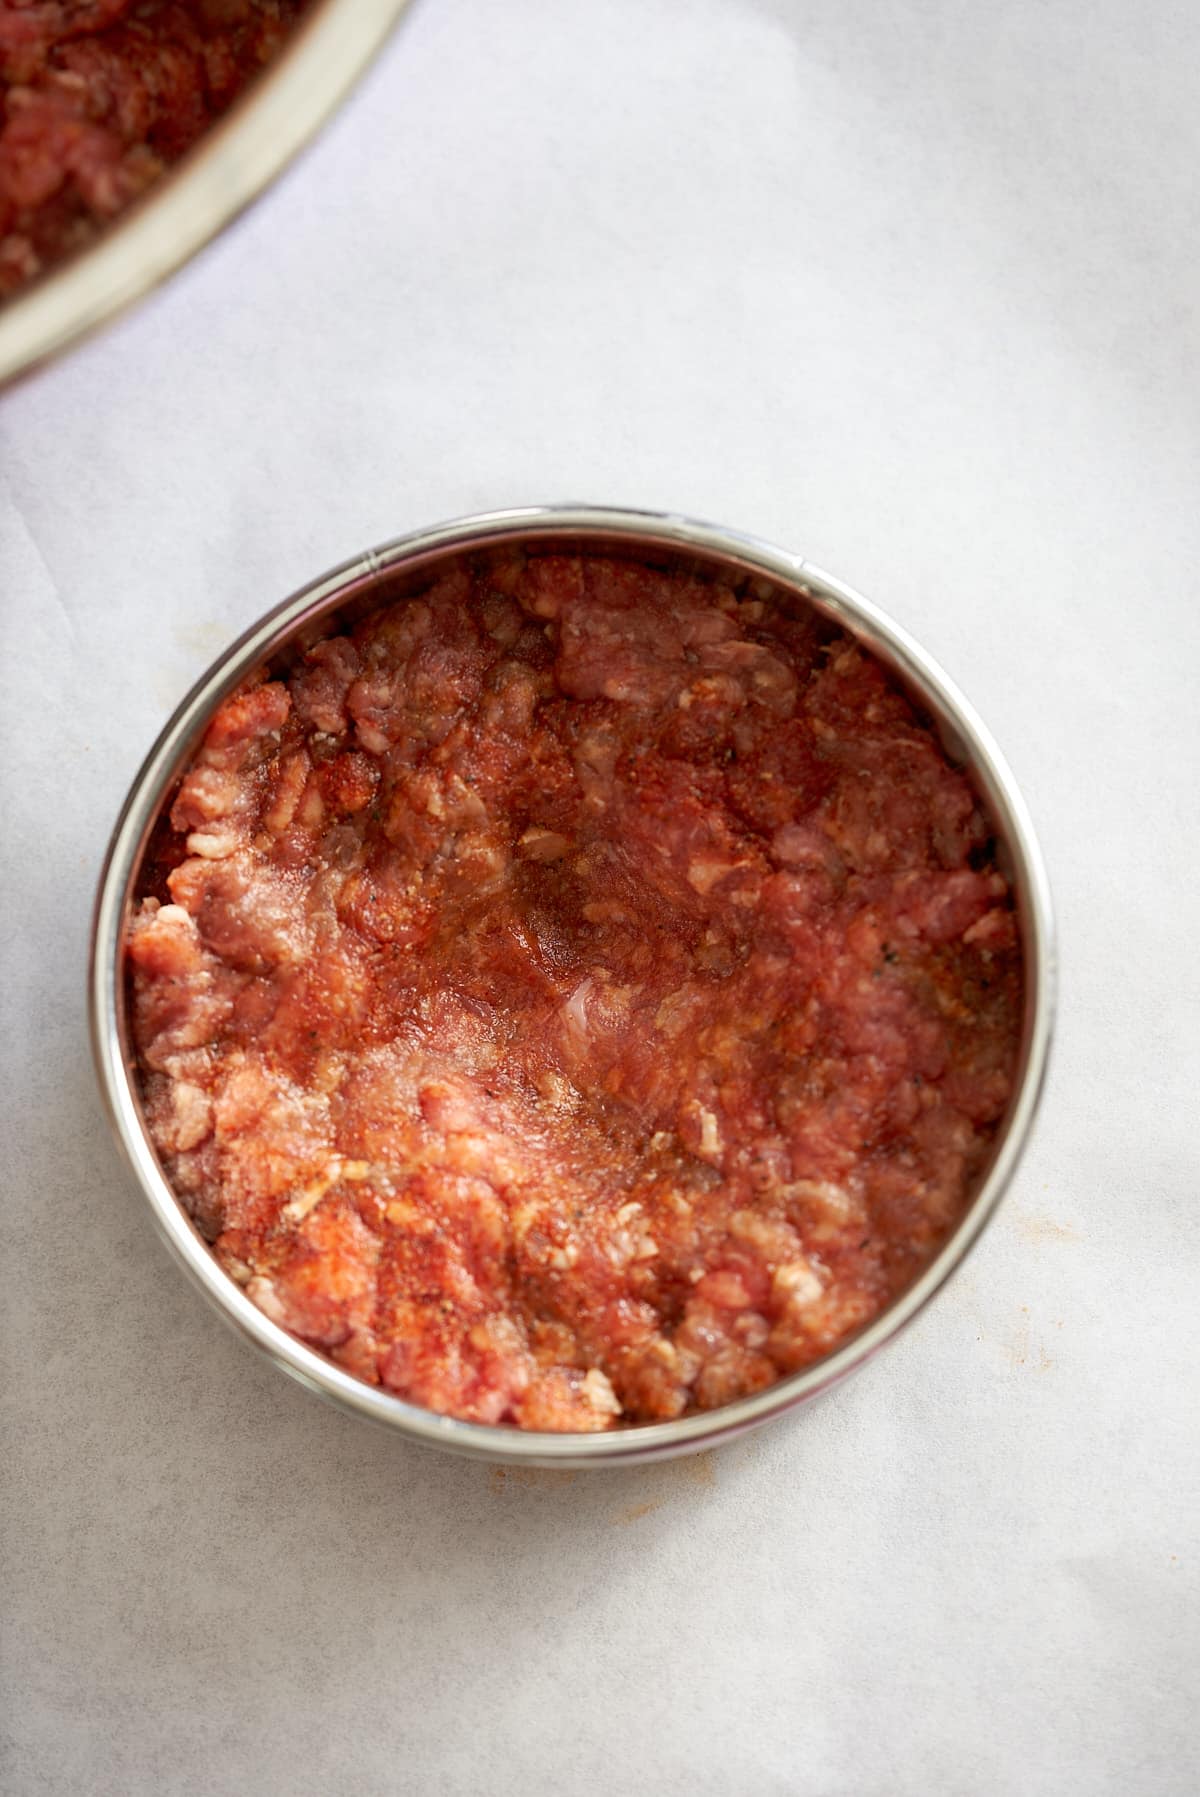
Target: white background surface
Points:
(911, 288)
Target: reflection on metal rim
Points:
(229, 167)
(602, 530)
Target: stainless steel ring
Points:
(414, 556)
(229, 167)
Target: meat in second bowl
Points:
(99, 97)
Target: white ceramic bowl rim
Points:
(218, 178)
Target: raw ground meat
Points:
(578, 995)
(98, 97)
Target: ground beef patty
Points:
(97, 97)
(578, 995)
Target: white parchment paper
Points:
(911, 288)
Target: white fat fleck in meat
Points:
(373, 740)
(575, 1012)
(701, 1130)
(630, 1239)
(212, 845)
(704, 873)
(176, 917)
(832, 1209)
(770, 1237)
(600, 1394)
(310, 1195)
(556, 1090)
(293, 777)
(193, 1116)
(537, 844)
(796, 1284)
(262, 1292)
(206, 794)
(751, 1329)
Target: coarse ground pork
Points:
(578, 995)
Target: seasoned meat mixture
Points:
(577, 995)
(97, 97)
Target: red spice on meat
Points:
(579, 995)
(98, 97)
